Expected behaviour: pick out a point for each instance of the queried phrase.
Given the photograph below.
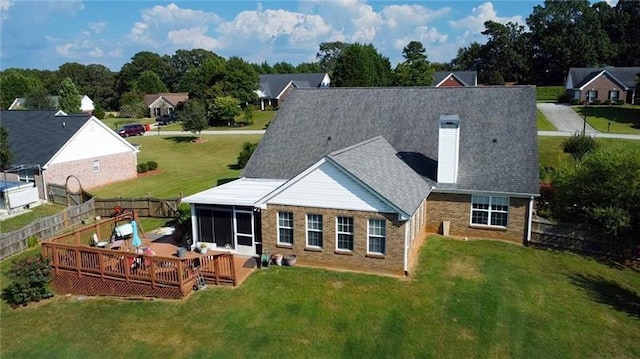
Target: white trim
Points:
(369, 235)
(600, 74)
(285, 89)
(530, 219)
(443, 80)
(307, 230)
(234, 218)
(353, 235)
(282, 227)
(489, 211)
(482, 193)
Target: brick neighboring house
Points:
(603, 84)
(50, 146)
(455, 78)
(164, 104)
(353, 178)
(274, 88)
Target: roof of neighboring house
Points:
(35, 136)
(19, 102)
(171, 97)
(272, 85)
(467, 78)
(626, 76)
(498, 133)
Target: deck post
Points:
(78, 269)
(101, 263)
(216, 269)
(152, 272)
(180, 276)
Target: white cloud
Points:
(71, 7)
(474, 23)
(195, 37)
(403, 16)
(98, 26)
(4, 8)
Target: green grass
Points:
(543, 123)
(115, 123)
(260, 121)
(17, 222)
(550, 152)
(549, 93)
(468, 299)
(623, 119)
(185, 167)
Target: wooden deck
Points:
(82, 269)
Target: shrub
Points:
(620, 102)
(607, 102)
(33, 241)
(575, 101)
(30, 281)
(152, 165)
(142, 167)
(245, 153)
(99, 113)
(564, 98)
(579, 145)
(596, 102)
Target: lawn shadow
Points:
(608, 292)
(234, 166)
(180, 139)
(616, 114)
(222, 181)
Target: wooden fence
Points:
(145, 207)
(60, 195)
(16, 241)
(583, 239)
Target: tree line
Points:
(560, 34)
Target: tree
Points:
(247, 115)
(185, 60)
(5, 151)
(507, 51)
(245, 154)
(225, 108)
(194, 116)
(39, 99)
(99, 86)
(132, 105)
(69, 100)
(579, 145)
(140, 62)
(626, 15)
(415, 70)
(283, 68)
(74, 71)
(309, 68)
(149, 83)
(14, 84)
(328, 54)
(239, 80)
(361, 66)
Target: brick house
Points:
(50, 146)
(353, 178)
(273, 89)
(164, 104)
(455, 78)
(603, 84)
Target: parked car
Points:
(167, 119)
(131, 130)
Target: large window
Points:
(377, 236)
(314, 230)
(592, 96)
(285, 228)
(614, 95)
(489, 210)
(344, 231)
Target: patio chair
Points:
(95, 242)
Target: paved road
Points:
(564, 118)
(154, 132)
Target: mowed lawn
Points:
(550, 149)
(483, 299)
(543, 123)
(614, 119)
(184, 167)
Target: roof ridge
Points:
(359, 144)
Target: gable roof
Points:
(467, 78)
(498, 133)
(36, 136)
(272, 85)
(581, 76)
(19, 102)
(171, 97)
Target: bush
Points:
(99, 113)
(245, 153)
(30, 281)
(142, 167)
(575, 101)
(564, 98)
(152, 165)
(620, 102)
(595, 102)
(33, 241)
(579, 145)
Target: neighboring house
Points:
(600, 84)
(274, 88)
(164, 104)
(354, 178)
(455, 78)
(49, 146)
(86, 103)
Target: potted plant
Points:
(277, 258)
(203, 248)
(289, 260)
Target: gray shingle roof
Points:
(35, 136)
(273, 84)
(498, 133)
(375, 163)
(468, 78)
(582, 75)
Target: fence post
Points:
(180, 276)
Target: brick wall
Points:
(113, 168)
(603, 85)
(451, 82)
(456, 208)
(391, 263)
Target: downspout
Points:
(530, 220)
(406, 248)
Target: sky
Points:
(46, 34)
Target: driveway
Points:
(564, 118)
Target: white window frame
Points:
(614, 98)
(592, 96)
(382, 235)
(96, 166)
(339, 232)
(490, 210)
(314, 229)
(282, 226)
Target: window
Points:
(344, 231)
(285, 227)
(592, 96)
(96, 166)
(377, 236)
(314, 230)
(489, 211)
(614, 95)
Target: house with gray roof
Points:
(603, 84)
(274, 88)
(455, 78)
(51, 146)
(86, 103)
(354, 178)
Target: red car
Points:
(131, 130)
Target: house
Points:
(603, 84)
(353, 178)
(86, 103)
(274, 88)
(455, 78)
(164, 104)
(50, 146)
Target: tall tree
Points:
(415, 70)
(38, 99)
(362, 66)
(149, 82)
(309, 68)
(239, 81)
(627, 14)
(69, 100)
(507, 51)
(225, 108)
(5, 151)
(14, 84)
(99, 86)
(132, 105)
(328, 55)
(185, 60)
(74, 71)
(140, 62)
(283, 68)
(194, 116)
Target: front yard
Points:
(615, 119)
(467, 299)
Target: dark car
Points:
(167, 119)
(131, 130)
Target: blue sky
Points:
(46, 34)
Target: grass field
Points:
(615, 119)
(543, 123)
(550, 151)
(549, 93)
(468, 299)
(261, 120)
(17, 222)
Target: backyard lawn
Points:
(615, 119)
(550, 151)
(467, 299)
(17, 222)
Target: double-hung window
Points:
(285, 228)
(377, 236)
(344, 232)
(314, 230)
(614, 95)
(96, 166)
(489, 210)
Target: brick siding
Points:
(603, 85)
(113, 168)
(451, 82)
